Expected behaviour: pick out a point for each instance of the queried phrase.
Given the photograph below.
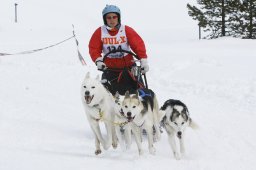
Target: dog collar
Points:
(96, 105)
(121, 124)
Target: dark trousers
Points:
(120, 81)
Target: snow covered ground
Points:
(42, 121)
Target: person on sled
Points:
(116, 67)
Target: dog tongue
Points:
(87, 99)
(130, 119)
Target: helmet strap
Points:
(113, 29)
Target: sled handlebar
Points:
(121, 51)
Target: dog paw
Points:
(152, 150)
(157, 137)
(123, 147)
(128, 146)
(177, 156)
(114, 145)
(141, 152)
(97, 152)
(182, 153)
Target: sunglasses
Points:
(112, 17)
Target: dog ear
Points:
(169, 111)
(137, 94)
(184, 115)
(117, 95)
(87, 75)
(127, 94)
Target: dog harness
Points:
(148, 96)
(101, 118)
(143, 94)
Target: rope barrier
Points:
(35, 50)
(40, 49)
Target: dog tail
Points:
(157, 115)
(193, 124)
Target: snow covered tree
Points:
(197, 14)
(225, 17)
(248, 14)
(211, 16)
(234, 17)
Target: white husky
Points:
(175, 121)
(143, 112)
(98, 104)
(123, 124)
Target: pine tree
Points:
(197, 14)
(234, 17)
(226, 17)
(212, 14)
(248, 12)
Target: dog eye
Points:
(85, 87)
(175, 123)
(93, 87)
(126, 106)
(133, 106)
(118, 103)
(182, 123)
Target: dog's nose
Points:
(179, 133)
(87, 93)
(129, 114)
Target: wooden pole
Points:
(199, 32)
(16, 12)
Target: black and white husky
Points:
(175, 121)
(125, 127)
(143, 111)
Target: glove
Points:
(144, 65)
(100, 64)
